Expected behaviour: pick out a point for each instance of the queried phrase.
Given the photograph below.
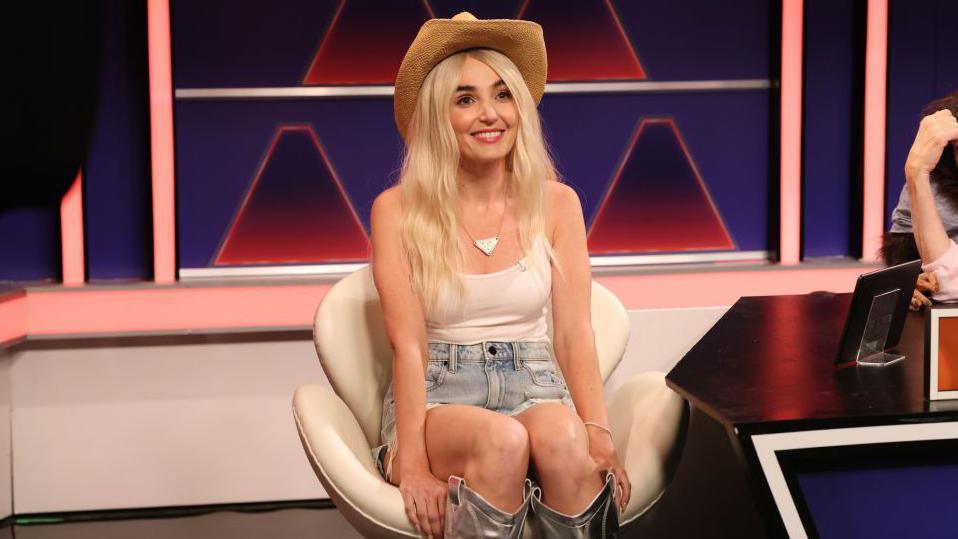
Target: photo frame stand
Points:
(871, 349)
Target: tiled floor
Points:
(277, 524)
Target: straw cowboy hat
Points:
(438, 39)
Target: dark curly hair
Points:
(898, 247)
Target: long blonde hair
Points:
(430, 169)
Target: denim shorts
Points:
(505, 377)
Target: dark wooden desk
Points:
(766, 369)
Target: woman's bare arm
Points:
(573, 339)
(422, 493)
(934, 134)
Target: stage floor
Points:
(292, 523)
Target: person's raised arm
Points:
(573, 339)
(423, 494)
(935, 133)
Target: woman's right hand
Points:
(934, 133)
(926, 286)
(425, 500)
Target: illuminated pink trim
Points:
(71, 233)
(172, 309)
(65, 312)
(522, 9)
(679, 290)
(322, 45)
(876, 73)
(615, 178)
(790, 202)
(429, 11)
(161, 138)
(13, 318)
(625, 36)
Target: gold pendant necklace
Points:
(488, 245)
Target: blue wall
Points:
(117, 196)
(831, 158)
(922, 66)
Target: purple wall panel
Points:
(30, 244)
(228, 44)
(117, 193)
(220, 145)
(922, 66)
(831, 161)
(219, 43)
(700, 39)
(726, 134)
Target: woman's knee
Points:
(504, 443)
(558, 442)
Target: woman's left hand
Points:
(603, 453)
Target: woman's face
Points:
(483, 114)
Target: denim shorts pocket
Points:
(435, 374)
(543, 373)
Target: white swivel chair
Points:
(339, 427)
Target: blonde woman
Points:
(468, 249)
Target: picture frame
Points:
(941, 352)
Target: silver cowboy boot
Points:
(469, 515)
(600, 520)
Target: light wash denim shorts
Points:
(505, 377)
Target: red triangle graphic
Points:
(295, 211)
(585, 40)
(365, 41)
(657, 201)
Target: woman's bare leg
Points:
(559, 447)
(489, 450)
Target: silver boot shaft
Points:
(469, 515)
(600, 520)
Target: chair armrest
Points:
(341, 457)
(648, 422)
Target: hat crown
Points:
(520, 41)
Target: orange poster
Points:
(948, 353)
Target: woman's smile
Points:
(489, 136)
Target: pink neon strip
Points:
(429, 10)
(790, 223)
(322, 46)
(171, 309)
(71, 233)
(681, 290)
(13, 319)
(161, 136)
(161, 309)
(876, 73)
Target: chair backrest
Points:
(353, 349)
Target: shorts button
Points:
(492, 350)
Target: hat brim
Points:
(521, 41)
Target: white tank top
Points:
(507, 305)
